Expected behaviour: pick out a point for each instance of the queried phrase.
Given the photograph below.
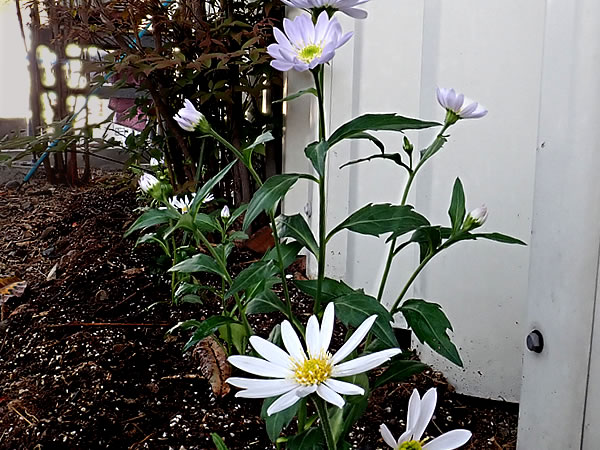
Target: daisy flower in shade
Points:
(458, 106)
(420, 412)
(190, 119)
(305, 45)
(209, 198)
(348, 7)
(295, 374)
(147, 181)
(182, 204)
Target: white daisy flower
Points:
(182, 204)
(457, 106)
(297, 373)
(209, 198)
(420, 412)
(147, 181)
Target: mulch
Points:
(85, 362)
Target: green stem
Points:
(238, 155)
(391, 251)
(302, 415)
(318, 77)
(325, 423)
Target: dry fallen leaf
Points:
(11, 287)
(213, 364)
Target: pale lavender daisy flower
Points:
(305, 45)
(458, 106)
(348, 7)
(420, 412)
(190, 119)
(295, 374)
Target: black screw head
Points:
(535, 341)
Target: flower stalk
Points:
(325, 423)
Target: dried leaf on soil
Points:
(213, 364)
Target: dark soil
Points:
(84, 361)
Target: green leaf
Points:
(498, 237)
(289, 253)
(208, 186)
(205, 223)
(237, 213)
(399, 371)
(330, 289)
(428, 238)
(457, 209)
(295, 227)
(265, 302)
(153, 217)
(435, 147)
(253, 275)
(395, 157)
(191, 298)
(369, 137)
(353, 309)
(275, 423)
(317, 154)
(258, 142)
(429, 323)
(376, 220)
(377, 122)
(268, 195)
(203, 328)
(199, 263)
(238, 337)
(218, 441)
(312, 91)
(311, 439)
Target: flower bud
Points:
(225, 214)
(476, 218)
(190, 119)
(147, 182)
(407, 146)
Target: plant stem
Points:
(302, 415)
(318, 77)
(325, 424)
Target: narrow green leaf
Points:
(395, 157)
(268, 195)
(218, 441)
(428, 238)
(435, 147)
(312, 91)
(376, 220)
(317, 154)
(185, 325)
(275, 423)
(205, 223)
(311, 439)
(498, 237)
(377, 122)
(429, 323)
(398, 371)
(265, 302)
(208, 186)
(330, 289)
(253, 275)
(199, 263)
(369, 137)
(353, 309)
(457, 209)
(203, 329)
(153, 217)
(289, 253)
(257, 145)
(295, 227)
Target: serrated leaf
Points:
(199, 263)
(377, 122)
(294, 96)
(265, 302)
(457, 209)
(295, 227)
(399, 371)
(213, 364)
(317, 154)
(375, 220)
(353, 309)
(257, 273)
(329, 290)
(268, 195)
(153, 217)
(429, 323)
(275, 423)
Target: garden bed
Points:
(84, 362)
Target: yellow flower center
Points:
(185, 208)
(310, 52)
(411, 445)
(314, 370)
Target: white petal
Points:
(283, 402)
(405, 437)
(449, 441)
(313, 338)
(327, 326)
(330, 396)
(427, 407)
(364, 363)
(414, 410)
(271, 352)
(261, 388)
(291, 342)
(354, 340)
(387, 435)
(341, 387)
(259, 366)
